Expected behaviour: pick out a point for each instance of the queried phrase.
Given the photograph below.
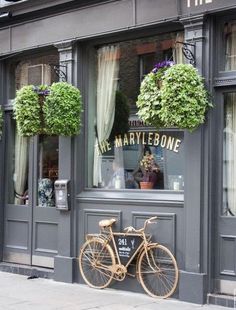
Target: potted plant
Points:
(63, 109)
(180, 100)
(149, 170)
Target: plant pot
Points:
(146, 185)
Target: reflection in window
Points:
(122, 162)
(48, 170)
(230, 39)
(121, 139)
(18, 155)
(229, 166)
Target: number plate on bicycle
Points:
(126, 246)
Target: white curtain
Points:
(230, 33)
(21, 167)
(178, 56)
(108, 67)
(230, 156)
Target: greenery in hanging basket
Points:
(173, 96)
(62, 110)
(184, 99)
(27, 111)
(149, 99)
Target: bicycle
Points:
(107, 256)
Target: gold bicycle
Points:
(107, 256)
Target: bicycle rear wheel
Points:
(158, 271)
(95, 261)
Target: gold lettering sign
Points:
(191, 3)
(144, 138)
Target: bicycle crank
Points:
(119, 272)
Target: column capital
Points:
(64, 45)
(65, 50)
(195, 21)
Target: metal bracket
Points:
(187, 52)
(60, 71)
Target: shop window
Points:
(35, 71)
(230, 45)
(120, 139)
(48, 170)
(18, 165)
(229, 155)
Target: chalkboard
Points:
(126, 246)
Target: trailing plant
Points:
(54, 110)
(173, 96)
(27, 111)
(149, 99)
(121, 119)
(62, 110)
(184, 99)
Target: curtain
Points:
(21, 167)
(108, 67)
(177, 52)
(230, 33)
(230, 156)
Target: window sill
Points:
(133, 197)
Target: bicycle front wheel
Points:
(158, 271)
(95, 261)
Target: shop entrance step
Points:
(222, 300)
(29, 271)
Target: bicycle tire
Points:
(94, 261)
(158, 278)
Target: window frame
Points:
(91, 49)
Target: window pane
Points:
(18, 161)
(230, 39)
(229, 155)
(120, 140)
(48, 170)
(121, 162)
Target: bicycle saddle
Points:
(106, 223)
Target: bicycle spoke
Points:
(158, 271)
(95, 259)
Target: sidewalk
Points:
(19, 293)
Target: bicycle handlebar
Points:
(148, 221)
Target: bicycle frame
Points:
(107, 256)
(107, 235)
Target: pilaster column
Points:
(63, 263)
(2, 98)
(192, 279)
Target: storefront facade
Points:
(105, 48)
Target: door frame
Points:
(223, 281)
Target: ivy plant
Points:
(149, 99)
(27, 111)
(184, 99)
(173, 96)
(54, 110)
(62, 110)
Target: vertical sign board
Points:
(201, 6)
(126, 246)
